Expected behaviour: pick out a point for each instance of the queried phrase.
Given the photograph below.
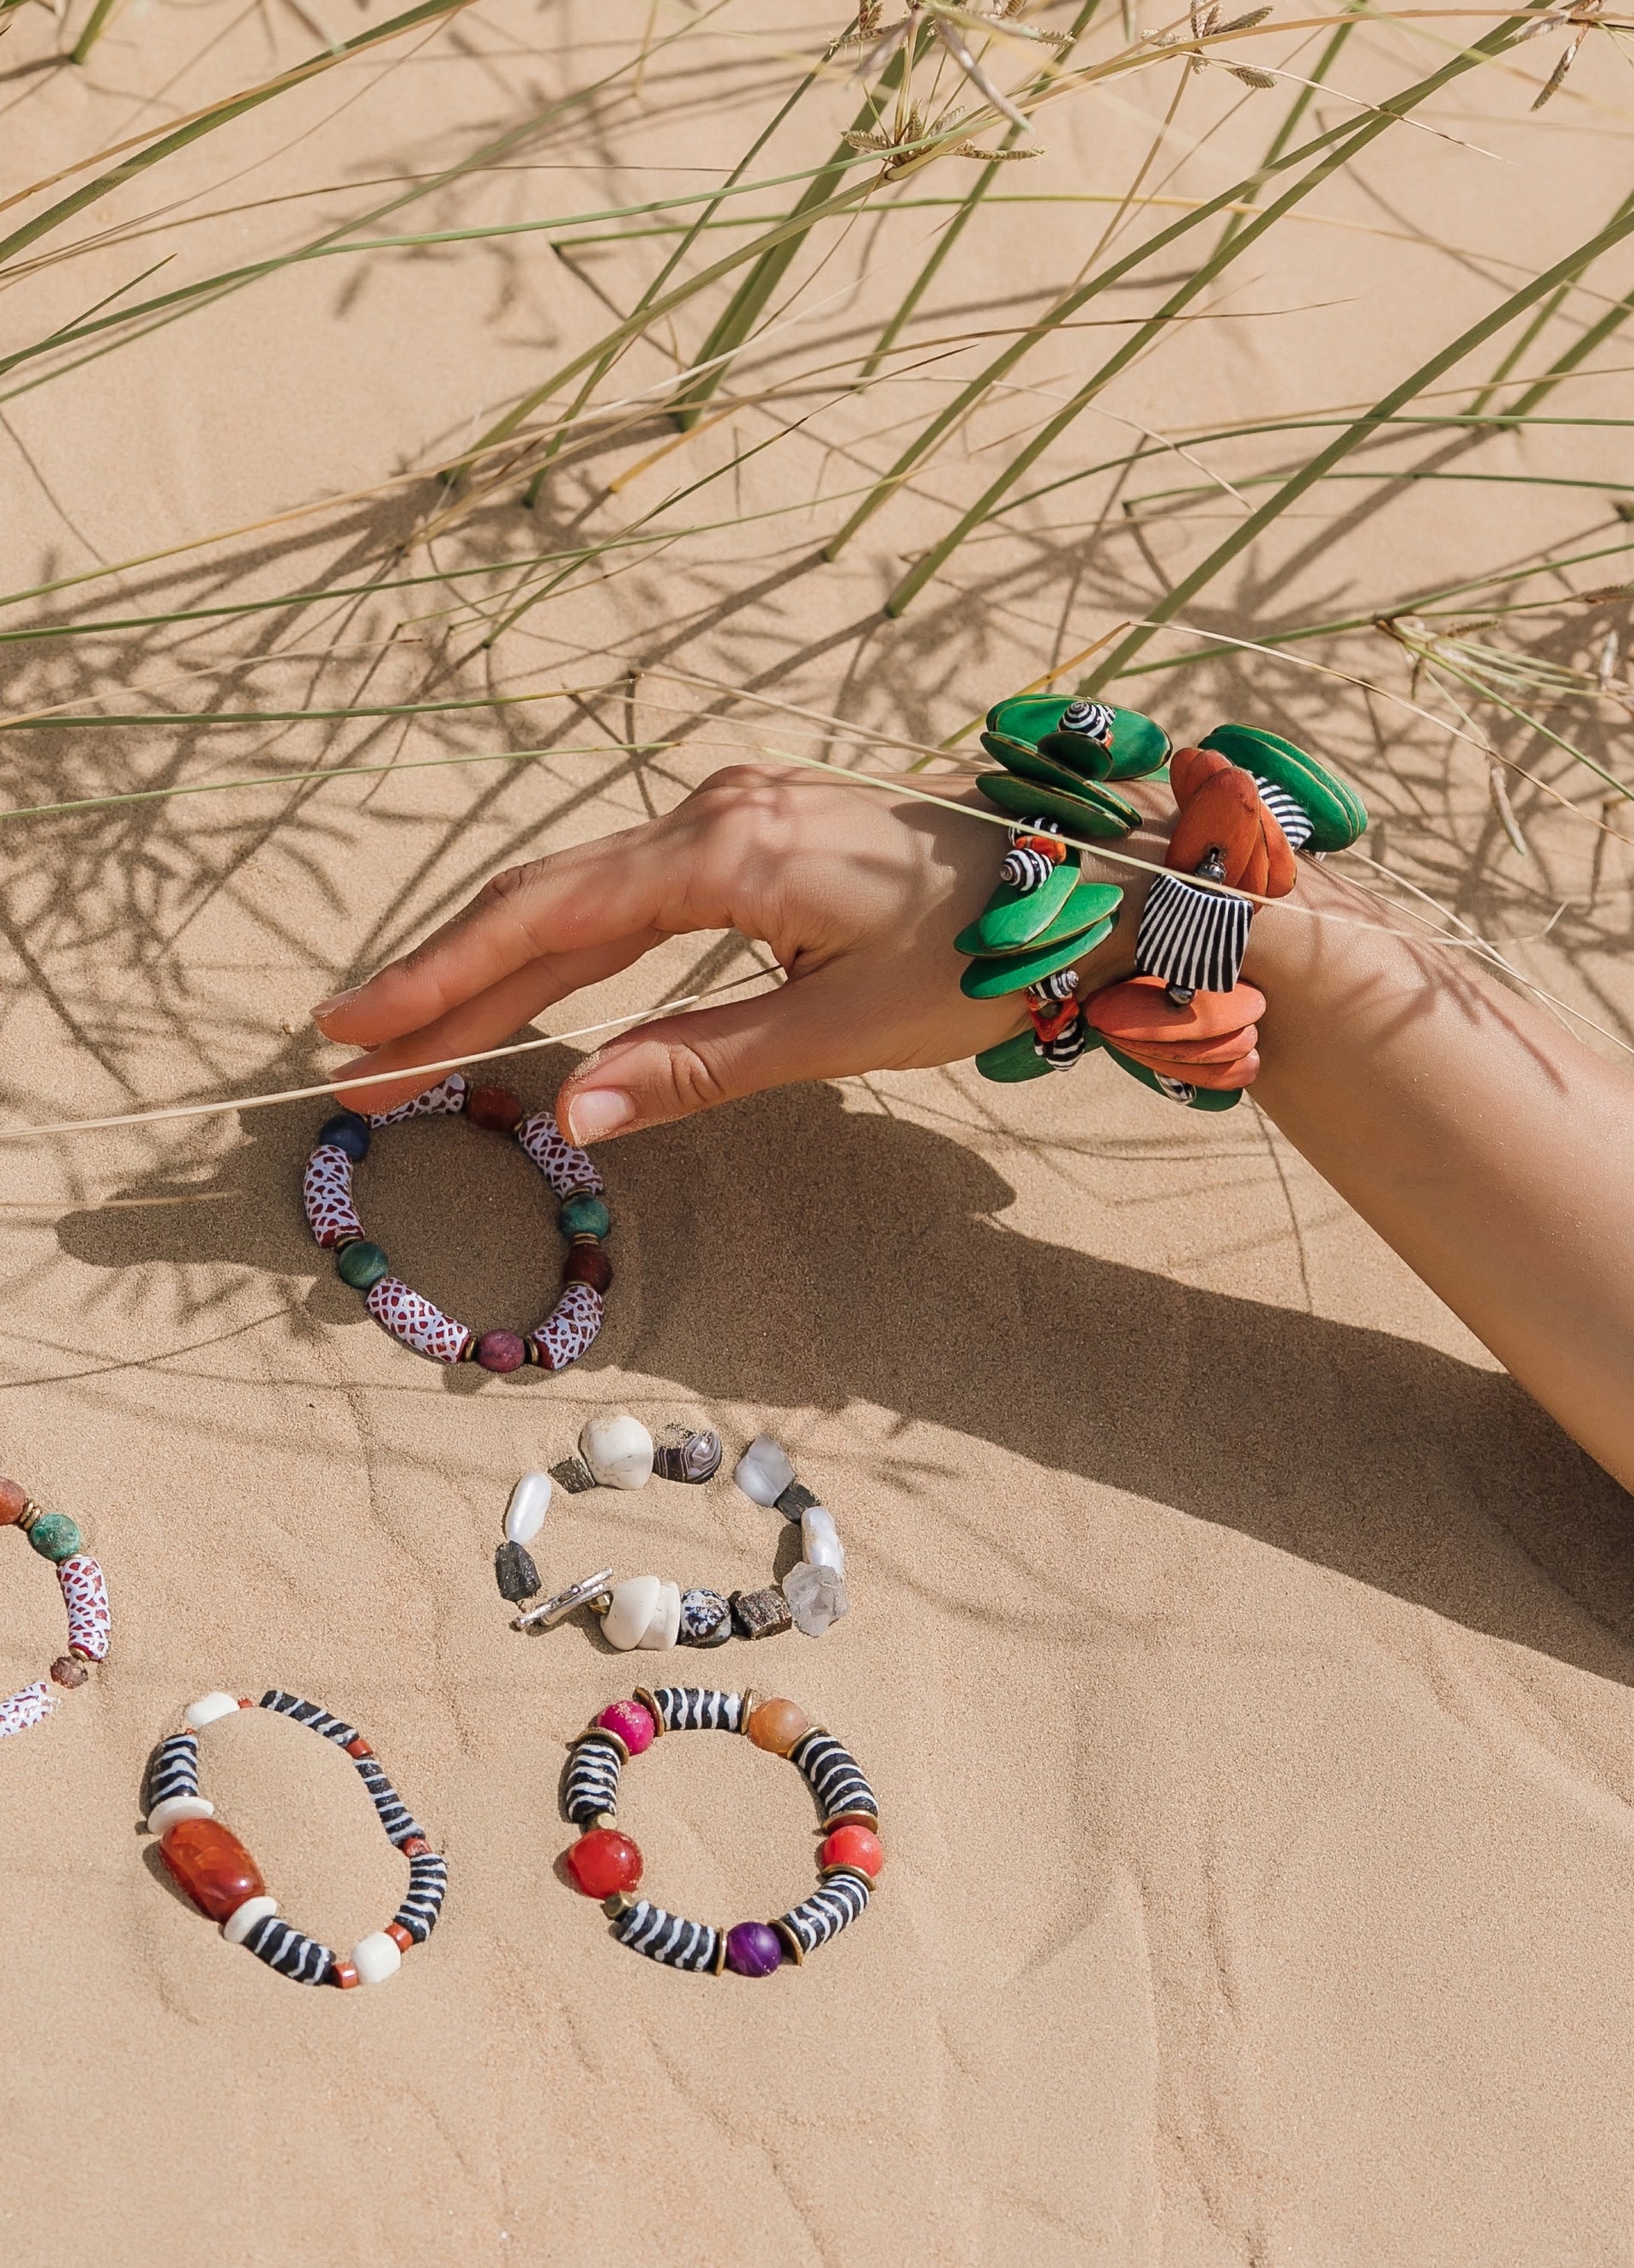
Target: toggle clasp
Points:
(551, 1611)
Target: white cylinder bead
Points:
(525, 1515)
(634, 1605)
(178, 1807)
(200, 1713)
(376, 1958)
(243, 1918)
(665, 1628)
(618, 1451)
(819, 1539)
(763, 1471)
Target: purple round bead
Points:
(501, 1351)
(754, 1949)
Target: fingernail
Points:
(327, 1007)
(597, 1112)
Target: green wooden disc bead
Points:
(1139, 746)
(1205, 1098)
(1338, 814)
(1013, 1060)
(993, 977)
(1012, 918)
(583, 1214)
(1096, 812)
(1088, 759)
(360, 1265)
(54, 1536)
(1087, 907)
(1029, 763)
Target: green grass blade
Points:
(1446, 359)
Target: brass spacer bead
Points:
(748, 1703)
(28, 1515)
(80, 1654)
(796, 1951)
(827, 1873)
(649, 1702)
(617, 1905)
(720, 1953)
(869, 1819)
(603, 1733)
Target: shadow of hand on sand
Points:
(855, 1257)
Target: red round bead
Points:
(855, 1846)
(587, 1263)
(604, 1862)
(13, 1502)
(501, 1352)
(494, 1106)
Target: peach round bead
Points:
(777, 1725)
(13, 1503)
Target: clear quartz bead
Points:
(816, 1597)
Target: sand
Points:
(1241, 1660)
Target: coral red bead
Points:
(415, 1847)
(494, 1106)
(587, 1263)
(604, 1862)
(854, 1846)
(13, 1502)
(359, 1748)
(207, 1862)
(343, 1975)
(399, 1936)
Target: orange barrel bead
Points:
(13, 1503)
(209, 1864)
(854, 1846)
(775, 1726)
(400, 1937)
(344, 1974)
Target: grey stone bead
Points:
(681, 1454)
(515, 1574)
(574, 1475)
(705, 1618)
(760, 1614)
(795, 1499)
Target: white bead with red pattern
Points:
(85, 1594)
(326, 1194)
(446, 1099)
(565, 1168)
(31, 1706)
(409, 1317)
(571, 1328)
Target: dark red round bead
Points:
(587, 1263)
(494, 1106)
(501, 1351)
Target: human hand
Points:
(859, 895)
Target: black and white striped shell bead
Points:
(697, 1709)
(1050, 990)
(591, 1788)
(1026, 870)
(836, 1903)
(1192, 939)
(671, 1939)
(422, 1905)
(309, 1713)
(835, 1777)
(1292, 817)
(173, 1775)
(1067, 1046)
(1092, 719)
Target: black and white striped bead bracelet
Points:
(210, 1865)
(606, 1864)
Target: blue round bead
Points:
(346, 1131)
(583, 1214)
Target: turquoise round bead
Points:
(361, 1265)
(54, 1536)
(583, 1215)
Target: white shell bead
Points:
(243, 1918)
(530, 1500)
(819, 1539)
(200, 1713)
(665, 1627)
(764, 1470)
(178, 1807)
(618, 1451)
(634, 1603)
(376, 1958)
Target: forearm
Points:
(1482, 1141)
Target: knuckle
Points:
(693, 1082)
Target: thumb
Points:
(670, 1069)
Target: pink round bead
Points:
(631, 1722)
(501, 1351)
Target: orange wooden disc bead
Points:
(1139, 1009)
(775, 1726)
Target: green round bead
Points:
(54, 1536)
(583, 1214)
(361, 1265)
